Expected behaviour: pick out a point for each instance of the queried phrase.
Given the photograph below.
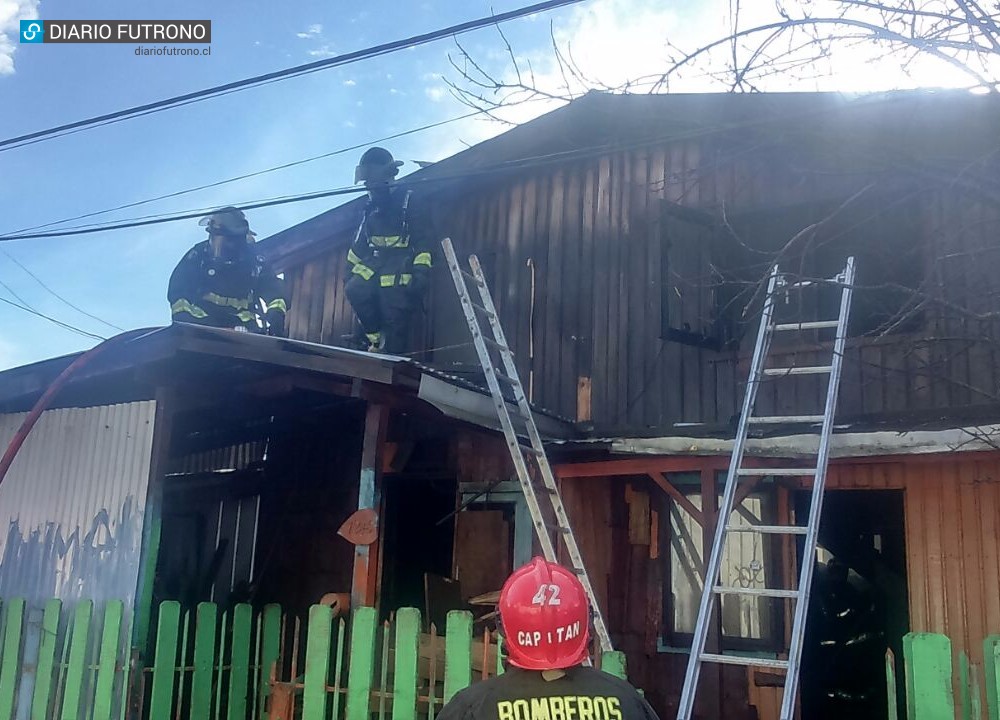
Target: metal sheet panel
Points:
(73, 503)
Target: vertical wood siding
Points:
(575, 255)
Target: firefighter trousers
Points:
(384, 309)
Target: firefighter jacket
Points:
(205, 291)
(582, 693)
(393, 244)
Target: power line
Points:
(60, 323)
(55, 294)
(257, 173)
(505, 166)
(336, 61)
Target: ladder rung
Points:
(483, 310)
(805, 370)
(506, 378)
(783, 472)
(769, 529)
(473, 278)
(778, 419)
(496, 346)
(744, 660)
(759, 592)
(530, 450)
(815, 325)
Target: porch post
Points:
(366, 557)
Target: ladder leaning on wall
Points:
(556, 520)
(778, 285)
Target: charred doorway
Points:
(858, 607)
(418, 536)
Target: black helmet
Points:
(376, 165)
(227, 221)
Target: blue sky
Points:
(121, 276)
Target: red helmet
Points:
(545, 616)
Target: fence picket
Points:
(338, 672)
(239, 666)
(991, 666)
(404, 689)
(165, 660)
(10, 662)
(927, 660)
(890, 685)
(206, 619)
(269, 654)
(77, 660)
(46, 660)
(457, 653)
(106, 667)
(362, 663)
(614, 663)
(317, 662)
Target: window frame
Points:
(672, 640)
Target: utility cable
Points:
(518, 164)
(60, 323)
(336, 61)
(54, 293)
(254, 174)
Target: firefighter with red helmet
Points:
(546, 625)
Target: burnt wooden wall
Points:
(582, 257)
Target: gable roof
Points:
(600, 122)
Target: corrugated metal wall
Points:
(73, 502)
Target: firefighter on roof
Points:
(390, 259)
(545, 618)
(221, 282)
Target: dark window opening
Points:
(688, 302)
(813, 242)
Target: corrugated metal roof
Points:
(73, 501)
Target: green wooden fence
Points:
(938, 690)
(239, 664)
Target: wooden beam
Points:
(744, 490)
(640, 466)
(366, 558)
(680, 498)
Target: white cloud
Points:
(315, 30)
(349, 124)
(11, 14)
(350, 83)
(322, 52)
(435, 93)
(394, 91)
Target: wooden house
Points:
(626, 239)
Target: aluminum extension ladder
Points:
(519, 451)
(778, 285)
